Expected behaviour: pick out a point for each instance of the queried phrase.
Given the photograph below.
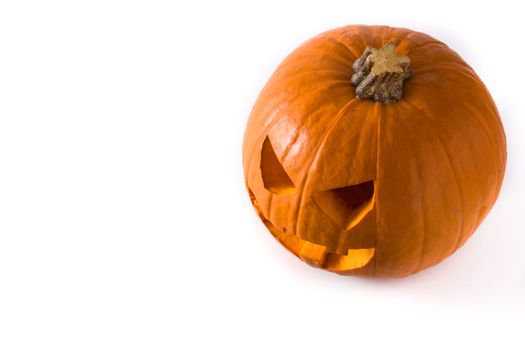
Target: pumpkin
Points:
(373, 151)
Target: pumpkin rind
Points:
(436, 157)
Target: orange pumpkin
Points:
(384, 178)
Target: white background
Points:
(124, 222)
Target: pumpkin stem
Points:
(379, 74)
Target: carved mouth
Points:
(316, 254)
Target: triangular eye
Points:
(346, 205)
(274, 177)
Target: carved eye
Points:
(274, 176)
(346, 205)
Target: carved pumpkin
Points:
(384, 178)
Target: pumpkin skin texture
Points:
(365, 188)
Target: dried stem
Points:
(379, 74)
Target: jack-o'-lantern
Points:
(373, 151)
